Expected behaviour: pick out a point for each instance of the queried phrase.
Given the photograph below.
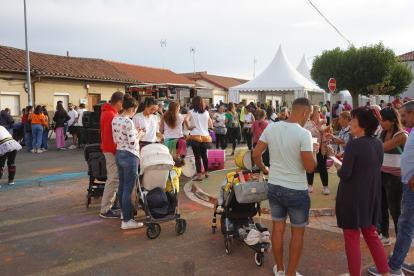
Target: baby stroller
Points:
(156, 164)
(96, 171)
(237, 218)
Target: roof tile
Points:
(406, 57)
(218, 81)
(44, 64)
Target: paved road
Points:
(45, 229)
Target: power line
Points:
(320, 14)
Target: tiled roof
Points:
(406, 57)
(151, 74)
(13, 59)
(218, 81)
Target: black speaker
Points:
(154, 94)
(87, 119)
(97, 107)
(162, 92)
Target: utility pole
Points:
(163, 44)
(29, 84)
(192, 50)
(254, 66)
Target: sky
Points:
(227, 34)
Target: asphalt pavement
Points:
(45, 229)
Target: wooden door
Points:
(92, 100)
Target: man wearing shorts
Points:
(73, 124)
(291, 155)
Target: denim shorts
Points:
(285, 201)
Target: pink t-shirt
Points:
(258, 130)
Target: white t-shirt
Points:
(272, 119)
(176, 132)
(285, 142)
(200, 122)
(248, 120)
(80, 112)
(125, 135)
(73, 115)
(150, 124)
(221, 120)
(339, 109)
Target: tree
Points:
(397, 82)
(354, 68)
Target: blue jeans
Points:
(37, 132)
(28, 138)
(10, 130)
(285, 201)
(405, 230)
(45, 137)
(127, 164)
(65, 130)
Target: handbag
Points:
(220, 130)
(251, 191)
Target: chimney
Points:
(67, 53)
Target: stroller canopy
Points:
(155, 154)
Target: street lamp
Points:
(29, 84)
(163, 44)
(192, 50)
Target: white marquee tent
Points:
(279, 79)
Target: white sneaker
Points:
(33, 151)
(72, 147)
(326, 191)
(10, 182)
(385, 241)
(131, 224)
(278, 273)
(310, 189)
(39, 151)
(62, 148)
(44, 149)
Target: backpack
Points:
(158, 202)
(234, 122)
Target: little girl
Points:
(179, 163)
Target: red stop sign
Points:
(332, 84)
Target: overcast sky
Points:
(227, 34)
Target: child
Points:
(179, 163)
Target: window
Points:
(64, 97)
(10, 100)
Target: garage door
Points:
(12, 102)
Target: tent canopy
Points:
(304, 69)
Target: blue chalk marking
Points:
(45, 181)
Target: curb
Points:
(200, 194)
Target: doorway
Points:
(92, 100)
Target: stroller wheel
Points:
(153, 230)
(214, 229)
(258, 258)
(180, 226)
(87, 201)
(227, 244)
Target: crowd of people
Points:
(288, 143)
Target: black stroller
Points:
(155, 168)
(235, 216)
(96, 171)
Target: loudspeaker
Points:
(162, 92)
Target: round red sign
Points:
(332, 84)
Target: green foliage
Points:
(354, 68)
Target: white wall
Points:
(206, 84)
(410, 91)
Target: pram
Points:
(235, 216)
(156, 164)
(96, 171)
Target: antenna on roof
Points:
(192, 50)
(254, 66)
(163, 44)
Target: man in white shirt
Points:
(291, 155)
(80, 114)
(73, 124)
(340, 108)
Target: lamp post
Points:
(163, 44)
(254, 66)
(192, 50)
(29, 85)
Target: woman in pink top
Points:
(257, 128)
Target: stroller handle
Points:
(246, 172)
